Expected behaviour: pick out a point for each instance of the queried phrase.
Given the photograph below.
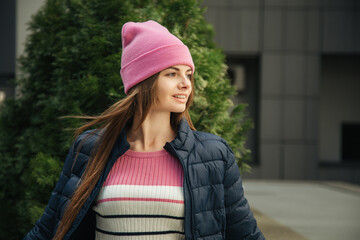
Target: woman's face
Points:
(173, 88)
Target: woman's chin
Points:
(178, 110)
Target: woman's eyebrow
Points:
(177, 69)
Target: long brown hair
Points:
(112, 121)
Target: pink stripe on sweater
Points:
(146, 168)
(140, 199)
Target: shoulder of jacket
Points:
(80, 152)
(85, 142)
(211, 141)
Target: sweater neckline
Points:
(160, 153)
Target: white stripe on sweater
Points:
(134, 191)
(147, 237)
(134, 208)
(140, 224)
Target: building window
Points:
(351, 142)
(339, 114)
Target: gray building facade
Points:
(307, 54)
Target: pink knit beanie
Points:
(149, 48)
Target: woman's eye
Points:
(171, 74)
(189, 76)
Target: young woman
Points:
(145, 173)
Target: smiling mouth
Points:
(180, 96)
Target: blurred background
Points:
(297, 64)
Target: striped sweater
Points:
(142, 198)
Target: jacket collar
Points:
(184, 141)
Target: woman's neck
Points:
(153, 133)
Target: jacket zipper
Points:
(170, 148)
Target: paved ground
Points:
(295, 210)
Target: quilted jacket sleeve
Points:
(45, 226)
(240, 222)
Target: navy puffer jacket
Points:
(215, 206)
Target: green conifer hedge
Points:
(71, 67)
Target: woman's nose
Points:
(185, 83)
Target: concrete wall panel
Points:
(273, 30)
(294, 119)
(313, 34)
(271, 74)
(312, 75)
(312, 120)
(295, 30)
(294, 74)
(270, 119)
(294, 155)
(270, 155)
